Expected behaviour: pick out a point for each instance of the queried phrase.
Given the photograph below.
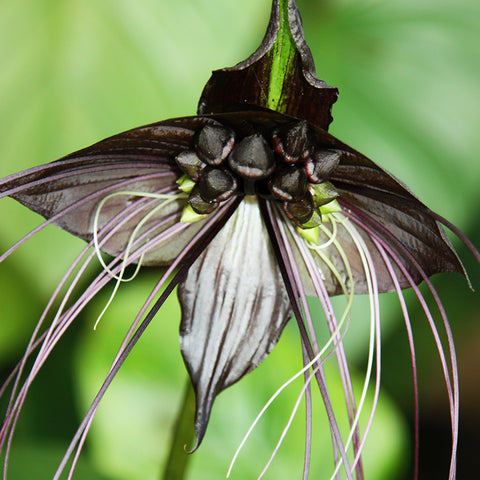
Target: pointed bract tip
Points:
(202, 415)
(280, 76)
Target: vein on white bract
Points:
(262, 208)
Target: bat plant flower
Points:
(252, 206)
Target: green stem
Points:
(183, 435)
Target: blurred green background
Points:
(73, 72)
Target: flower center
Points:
(285, 166)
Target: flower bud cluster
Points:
(287, 167)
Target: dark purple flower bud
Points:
(300, 212)
(252, 158)
(289, 183)
(216, 184)
(292, 142)
(189, 163)
(322, 164)
(198, 204)
(214, 143)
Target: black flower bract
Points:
(251, 206)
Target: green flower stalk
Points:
(252, 206)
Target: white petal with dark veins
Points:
(234, 307)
